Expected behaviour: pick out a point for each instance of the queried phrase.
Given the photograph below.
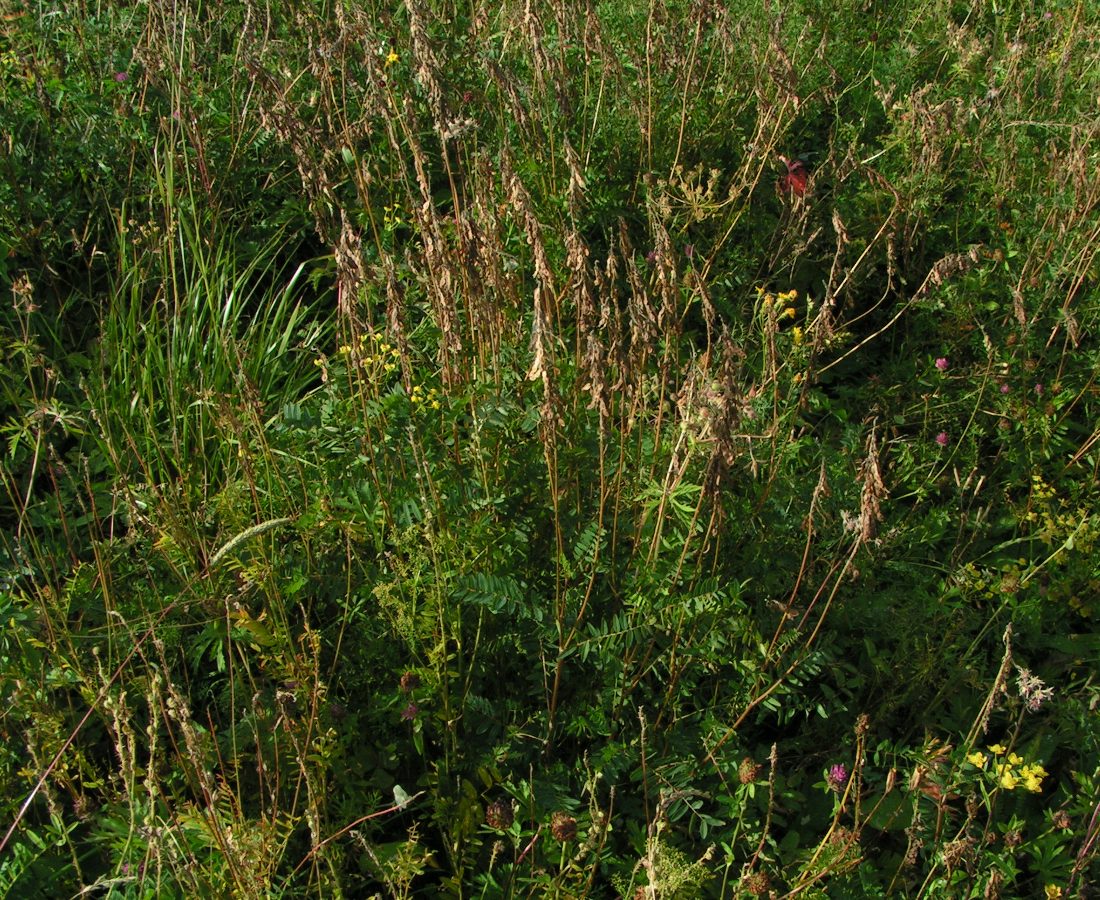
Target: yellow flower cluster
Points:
(391, 216)
(1040, 490)
(379, 358)
(419, 396)
(373, 352)
(784, 299)
(384, 355)
(782, 307)
(1071, 530)
(1009, 769)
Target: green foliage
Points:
(549, 450)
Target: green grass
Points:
(446, 455)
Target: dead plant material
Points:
(950, 266)
(873, 491)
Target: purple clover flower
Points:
(942, 364)
(942, 439)
(837, 777)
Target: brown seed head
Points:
(563, 826)
(748, 771)
(498, 814)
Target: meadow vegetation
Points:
(568, 449)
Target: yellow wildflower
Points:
(392, 57)
(1052, 892)
(977, 758)
(796, 334)
(1008, 778)
(1033, 776)
(997, 749)
(1015, 759)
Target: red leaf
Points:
(796, 179)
